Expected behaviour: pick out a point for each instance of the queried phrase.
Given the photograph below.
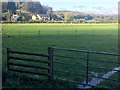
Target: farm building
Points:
(42, 17)
(15, 17)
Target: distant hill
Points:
(81, 13)
(67, 11)
(86, 15)
(33, 7)
(4, 6)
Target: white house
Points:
(38, 17)
(15, 17)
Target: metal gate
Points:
(82, 67)
(86, 68)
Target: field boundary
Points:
(51, 62)
(88, 66)
(11, 62)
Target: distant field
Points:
(101, 37)
(37, 37)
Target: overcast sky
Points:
(90, 6)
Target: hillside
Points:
(33, 7)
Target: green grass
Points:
(37, 38)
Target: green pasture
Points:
(38, 37)
(101, 37)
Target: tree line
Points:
(25, 8)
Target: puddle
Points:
(94, 81)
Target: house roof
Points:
(43, 15)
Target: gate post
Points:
(50, 58)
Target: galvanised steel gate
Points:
(87, 68)
(82, 67)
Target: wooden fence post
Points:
(50, 58)
(39, 32)
(75, 32)
(87, 68)
(58, 33)
(19, 33)
(8, 58)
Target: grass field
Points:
(37, 38)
